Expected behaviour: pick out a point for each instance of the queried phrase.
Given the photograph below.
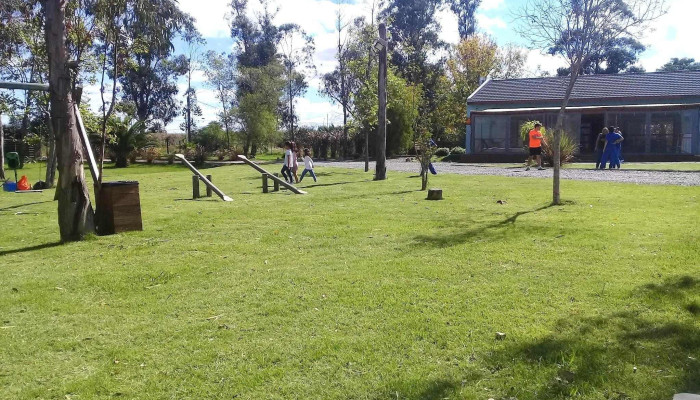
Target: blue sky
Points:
(674, 36)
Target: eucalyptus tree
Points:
(296, 51)
(75, 212)
(466, 16)
(220, 70)
(578, 30)
(256, 43)
(150, 73)
(192, 62)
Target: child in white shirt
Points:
(308, 166)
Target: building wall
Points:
(658, 131)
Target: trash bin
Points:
(118, 208)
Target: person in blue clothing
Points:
(610, 154)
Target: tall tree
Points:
(191, 64)
(296, 51)
(220, 70)
(466, 16)
(618, 55)
(75, 213)
(577, 30)
(680, 64)
(150, 71)
(415, 51)
(256, 43)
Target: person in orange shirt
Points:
(535, 145)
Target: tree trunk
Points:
(2, 151)
(253, 150)
(556, 146)
(75, 213)
(51, 156)
(380, 167)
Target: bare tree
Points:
(75, 213)
(577, 30)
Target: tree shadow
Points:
(24, 205)
(611, 354)
(30, 249)
(425, 390)
(476, 231)
(334, 183)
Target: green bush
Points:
(442, 152)
(458, 151)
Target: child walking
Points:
(287, 167)
(308, 166)
(295, 163)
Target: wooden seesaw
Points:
(266, 175)
(203, 178)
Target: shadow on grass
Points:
(477, 231)
(30, 249)
(24, 205)
(335, 183)
(608, 355)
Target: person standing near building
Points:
(535, 145)
(610, 154)
(618, 147)
(599, 146)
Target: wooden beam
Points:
(203, 178)
(94, 171)
(271, 176)
(25, 86)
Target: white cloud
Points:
(674, 35)
(210, 16)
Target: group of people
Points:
(291, 164)
(608, 147)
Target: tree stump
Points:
(435, 194)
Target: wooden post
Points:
(195, 187)
(380, 169)
(277, 186)
(264, 183)
(208, 188)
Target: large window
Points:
(490, 133)
(633, 130)
(516, 122)
(666, 135)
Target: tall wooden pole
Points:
(2, 150)
(380, 173)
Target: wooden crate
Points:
(119, 208)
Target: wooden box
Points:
(118, 208)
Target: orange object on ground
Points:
(24, 184)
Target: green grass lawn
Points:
(642, 166)
(358, 290)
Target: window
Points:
(516, 122)
(490, 133)
(633, 130)
(666, 132)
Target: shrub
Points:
(232, 155)
(171, 158)
(458, 151)
(442, 152)
(567, 148)
(151, 154)
(200, 155)
(567, 145)
(220, 154)
(127, 137)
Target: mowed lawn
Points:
(358, 290)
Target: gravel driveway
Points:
(622, 175)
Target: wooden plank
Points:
(258, 168)
(86, 142)
(203, 178)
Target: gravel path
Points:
(622, 175)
